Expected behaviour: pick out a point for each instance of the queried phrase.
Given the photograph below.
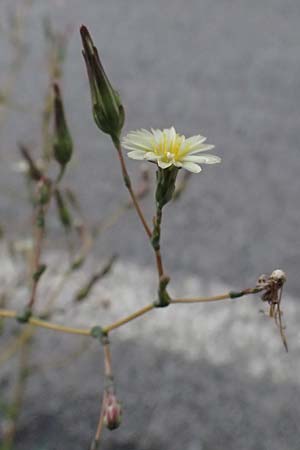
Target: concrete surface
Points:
(196, 377)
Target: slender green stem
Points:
(60, 174)
(156, 241)
(127, 183)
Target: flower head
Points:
(167, 148)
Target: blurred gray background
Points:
(228, 69)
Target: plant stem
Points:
(231, 295)
(18, 394)
(156, 246)
(135, 202)
(44, 324)
(107, 359)
(127, 182)
(129, 318)
(39, 237)
(140, 312)
(17, 342)
(201, 299)
(95, 443)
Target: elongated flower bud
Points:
(112, 411)
(108, 111)
(63, 145)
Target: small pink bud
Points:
(112, 411)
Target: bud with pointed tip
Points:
(112, 411)
(108, 111)
(63, 144)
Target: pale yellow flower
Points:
(167, 148)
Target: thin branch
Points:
(95, 443)
(231, 295)
(129, 318)
(131, 192)
(44, 324)
(140, 312)
(201, 299)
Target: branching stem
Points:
(9, 314)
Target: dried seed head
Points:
(262, 279)
(279, 276)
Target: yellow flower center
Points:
(167, 148)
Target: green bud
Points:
(165, 185)
(63, 145)
(108, 111)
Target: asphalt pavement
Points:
(228, 69)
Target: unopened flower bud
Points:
(112, 411)
(108, 111)
(63, 145)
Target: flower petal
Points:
(164, 165)
(191, 166)
(203, 159)
(136, 154)
(157, 134)
(177, 164)
(202, 148)
(131, 144)
(194, 141)
(151, 156)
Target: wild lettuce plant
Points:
(168, 153)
